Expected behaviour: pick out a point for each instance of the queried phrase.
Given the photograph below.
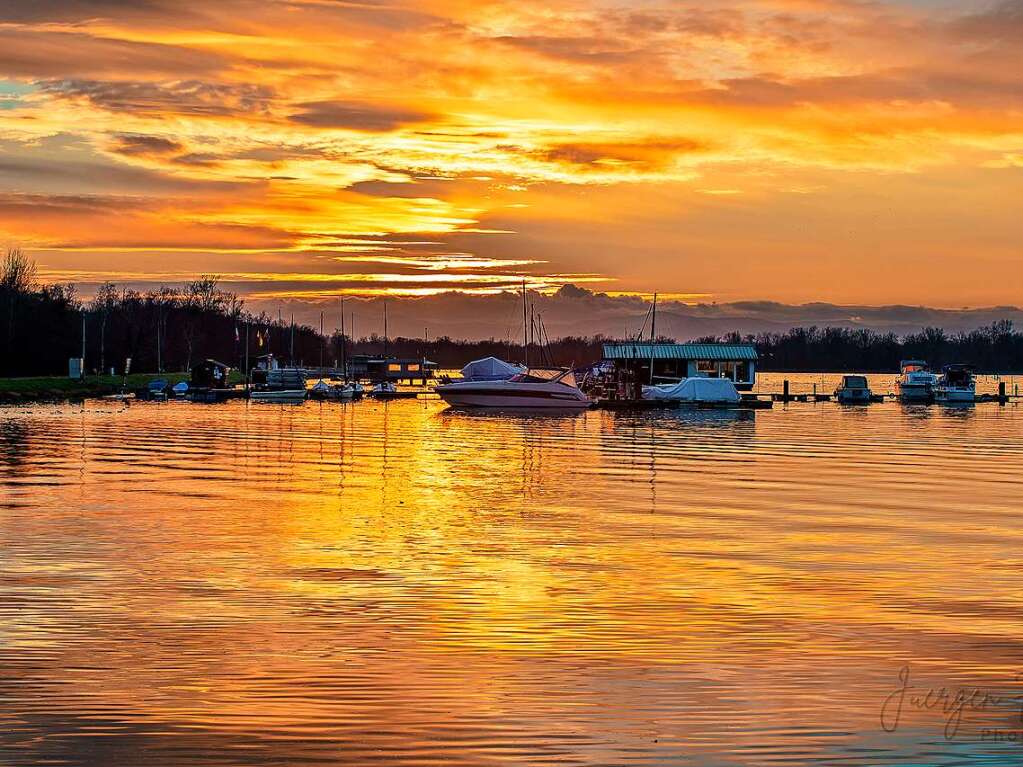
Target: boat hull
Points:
(853, 396)
(512, 396)
(958, 396)
(916, 392)
(505, 403)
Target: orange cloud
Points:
(508, 135)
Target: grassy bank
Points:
(59, 388)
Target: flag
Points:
(237, 337)
(259, 338)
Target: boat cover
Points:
(695, 390)
(490, 369)
(181, 387)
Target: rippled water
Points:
(397, 583)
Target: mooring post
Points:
(1001, 392)
(785, 390)
(815, 392)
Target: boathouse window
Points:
(394, 367)
(413, 367)
(707, 368)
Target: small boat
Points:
(384, 390)
(154, 391)
(278, 395)
(956, 385)
(696, 391)
(854, 391)
(536, 388)
(325, 391)
(180, 389)
(916, 383)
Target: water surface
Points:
(394, 582)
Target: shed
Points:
(675, 362)
(210, 374)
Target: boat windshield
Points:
(855, 382)
(544, 375)
(958, 377)
(914, 366)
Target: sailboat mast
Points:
(525, 327)
(344, 361)
(653, 338)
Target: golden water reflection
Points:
(326, 583)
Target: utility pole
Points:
(246, 356)
(82, 372)
(159, 359)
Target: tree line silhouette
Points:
(171, 329)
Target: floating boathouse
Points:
(673, 362)
(378, 369)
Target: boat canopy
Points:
(490, 369)
(913, 366)
(719, 390)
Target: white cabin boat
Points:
(916, 383)
(536, 388)
(854, 390)
(325, 391)
(956, 385)
(384, 390)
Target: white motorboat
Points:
(278, 395)
(536, 388)
(854, 391)
(956, 385)
(325, 391)
(383, 390)
(916, 383)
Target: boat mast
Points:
(525, 327)
(653, 338)
(344, 362)
(385, 327)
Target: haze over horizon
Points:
(758, 162)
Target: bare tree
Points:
(17, 272)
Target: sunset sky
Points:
(847, 151)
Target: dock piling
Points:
(785, 391)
